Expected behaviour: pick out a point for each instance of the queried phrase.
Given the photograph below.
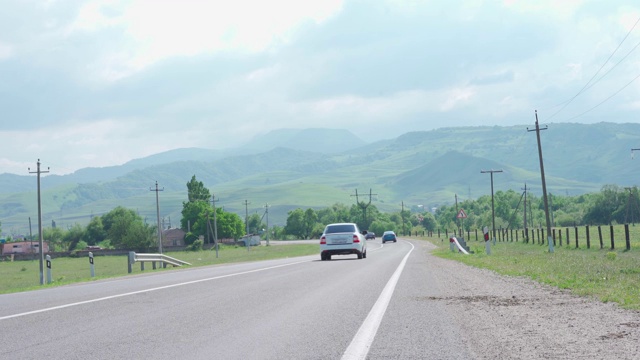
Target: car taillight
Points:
(356, 239)
(323, 240)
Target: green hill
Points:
(427, 168)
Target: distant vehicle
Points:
(389, 236)
(370, 235)
(342, 239)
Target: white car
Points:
(342, 239)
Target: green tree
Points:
(54, 237)
(94, 232)
(196, 191)
(73, 236)
(255, 224)
(126, 230)
(230, 225)
(295, 223)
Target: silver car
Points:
(342, 239)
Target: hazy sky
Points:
(98, 83)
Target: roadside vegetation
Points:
(606, 275)
(25, 275)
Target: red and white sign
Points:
(461, 214)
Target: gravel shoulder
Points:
(505, 317)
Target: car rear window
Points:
(346, 228)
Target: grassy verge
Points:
(606, 275)
(25, 275)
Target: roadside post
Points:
(48, 269)
(130, 260)
(487, 243)
(451, 244)
(93, 270)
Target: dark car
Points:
(389, 236)
(370, 236)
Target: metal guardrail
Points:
(153, 259)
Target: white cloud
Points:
(6, 50)
(155, 30)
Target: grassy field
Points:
(25, 275)
(609, 276)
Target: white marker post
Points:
(93, 269)
(49, 269)
(487, 243)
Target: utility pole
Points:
(526, 233)
(404, 232)
(457, 212)
(158, 215)
(31, 235)
(40, 239)
(544, 185)
(215, 221)
(363, 206)
(246, 221)
(266, 210)
(493, 212)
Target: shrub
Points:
(196, 246)
(611, 255)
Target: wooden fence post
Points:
(542, 236)
(588, 238)
(560, 236)
(568, 239)
(626, 236)
(576, 232)
(613, 245)
(600, 236)
(476, 234)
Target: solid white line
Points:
(143, 291)
(360, 344)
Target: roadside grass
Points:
(607, 275)
(19, 276)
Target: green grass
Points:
(609, 276)
(25, 275)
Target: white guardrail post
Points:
(93, 270)
(48, 269)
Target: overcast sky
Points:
(98, 83)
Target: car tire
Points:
(364, 255)
(359, 255)
(395, 240)
(327, 257)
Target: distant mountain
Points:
(326, 141)
(315, 168)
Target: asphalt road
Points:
(297, 308)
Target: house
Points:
(24, 247)
(173, 237)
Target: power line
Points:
(605, 100)
(586, 86)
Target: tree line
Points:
(123, 228)
(612, 205)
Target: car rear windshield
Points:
(346, 228)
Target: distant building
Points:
(24, 247)
(173, 237)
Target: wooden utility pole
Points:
(157, 190)
(40, 239)
(526, 236)
(544, 185)
(493, 212)
(246, 221)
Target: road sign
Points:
(461, 214)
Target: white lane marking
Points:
(361, 342)
(143, 291)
